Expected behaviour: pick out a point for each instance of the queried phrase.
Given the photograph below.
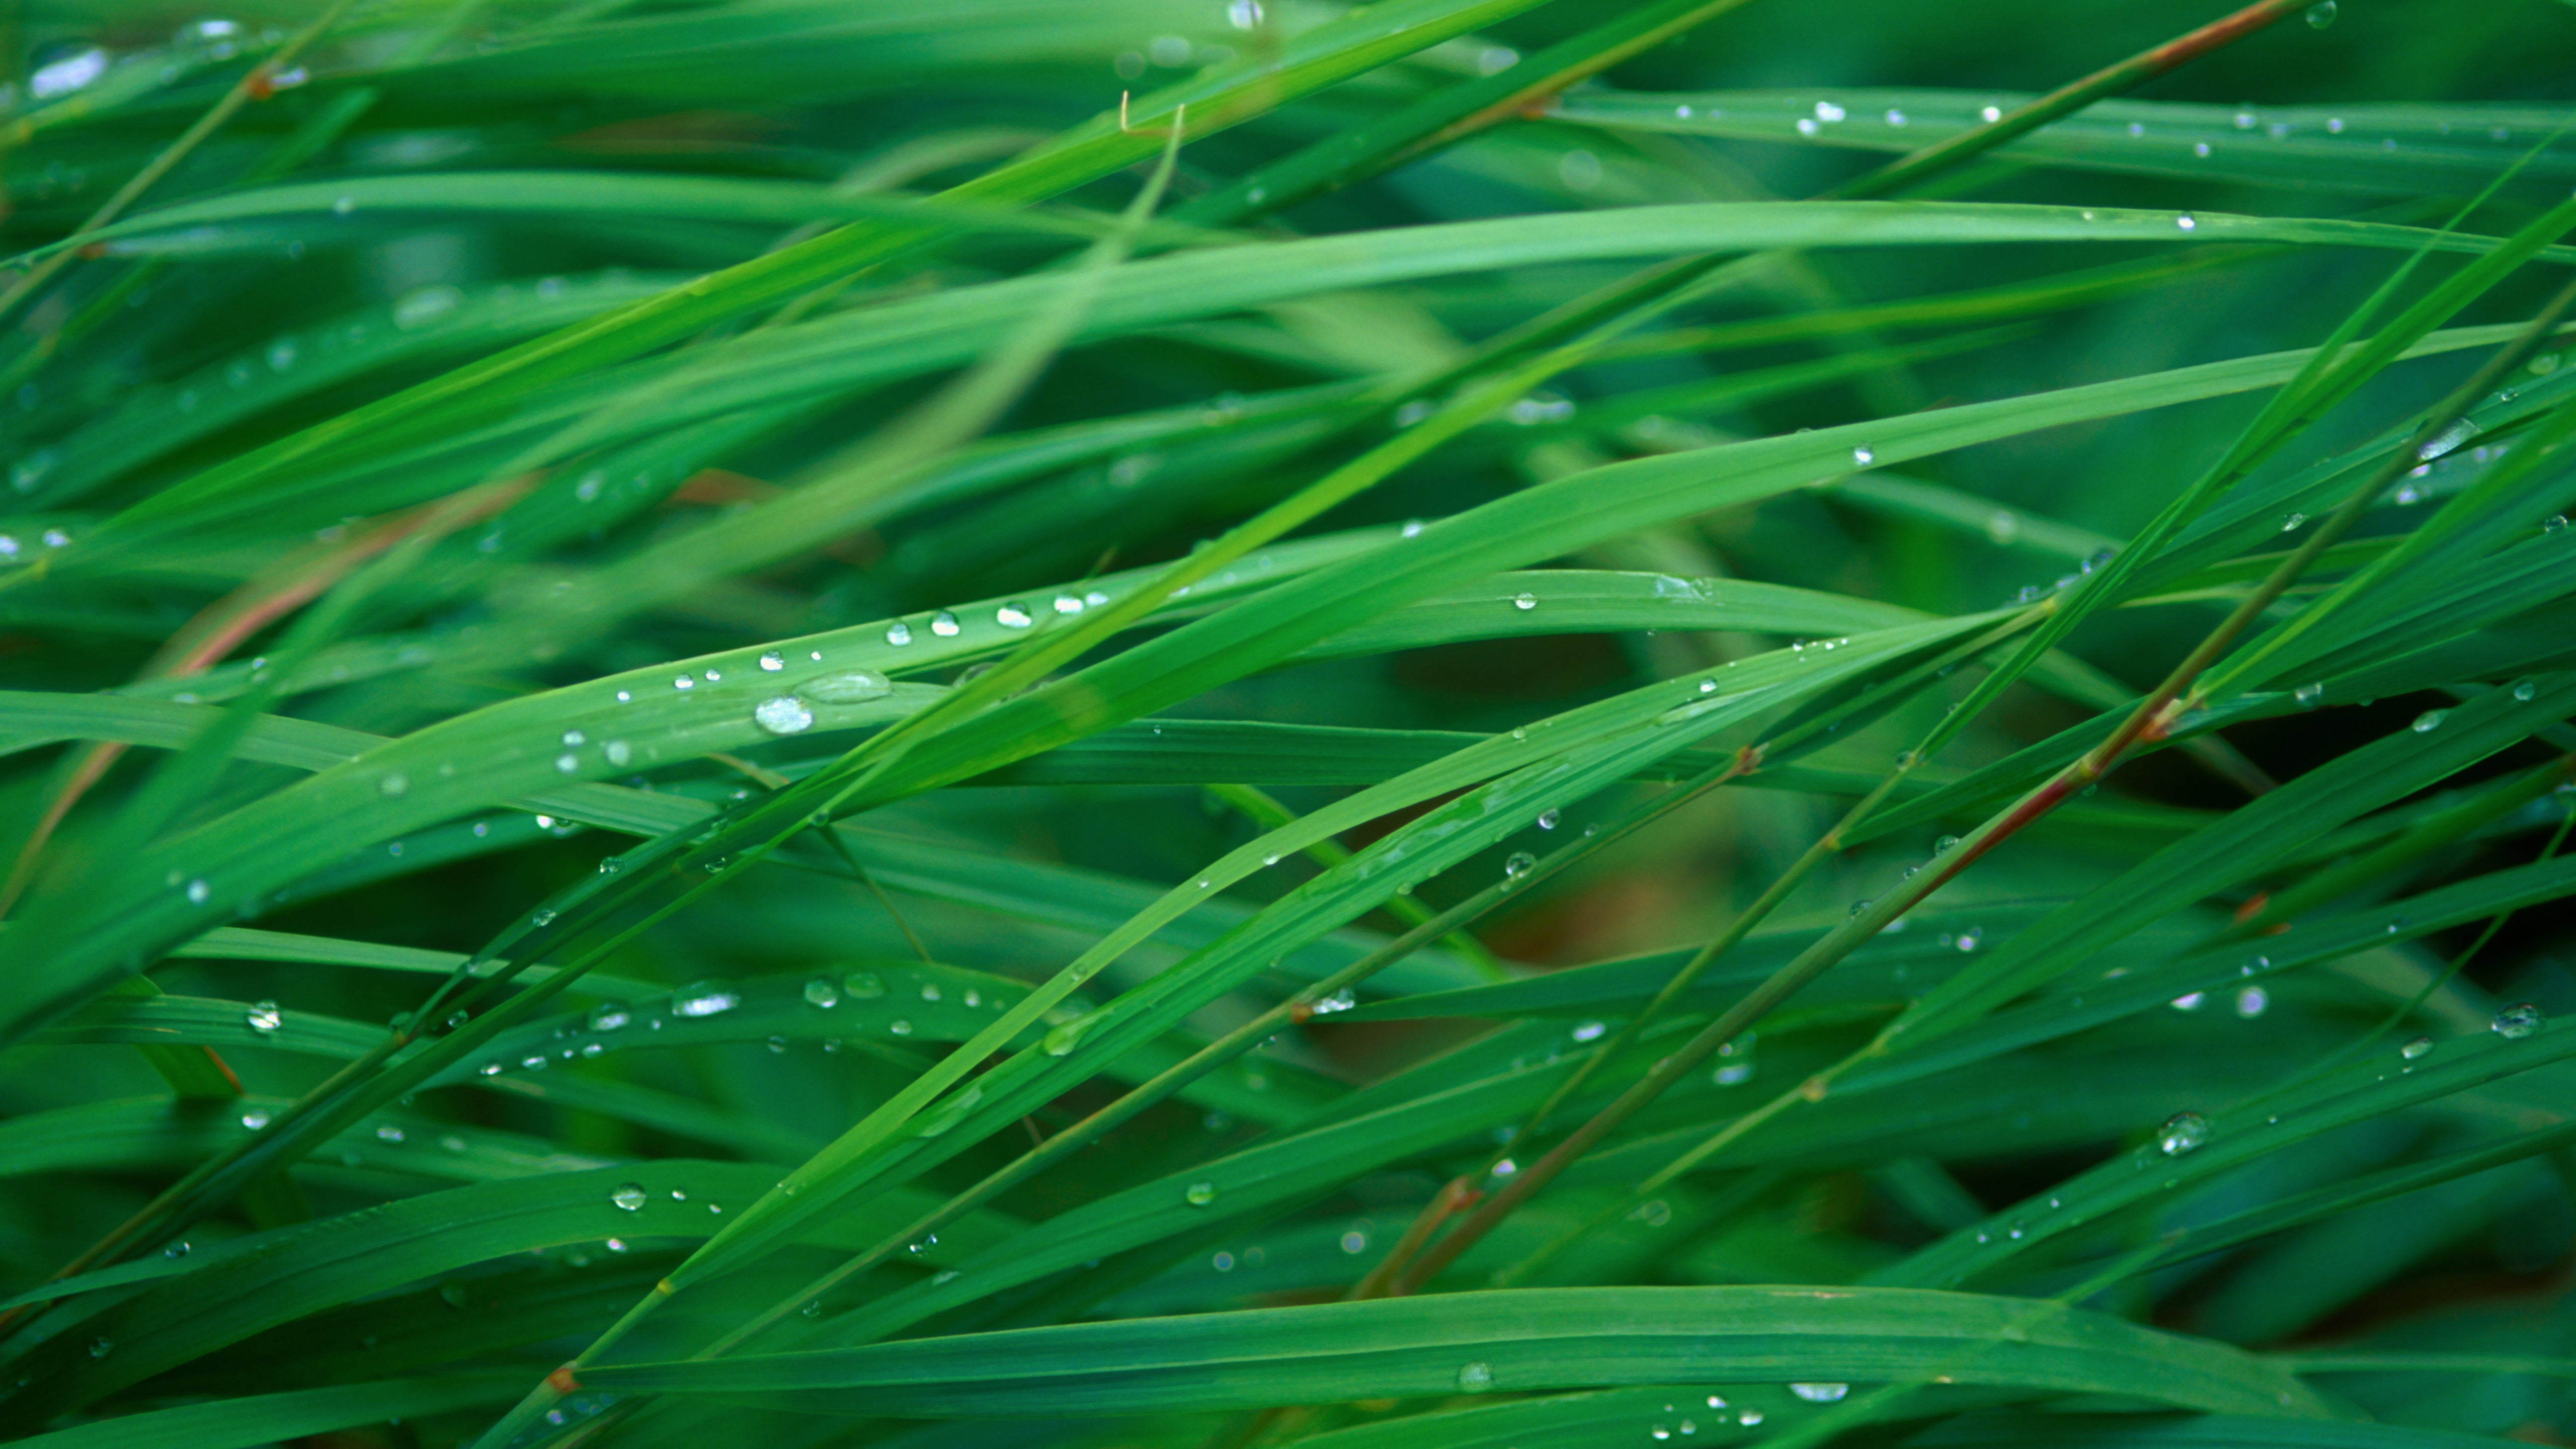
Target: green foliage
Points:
(1457, 722)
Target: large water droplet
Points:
(2307, 695)
(821, 992)
(898, 633)
(2429, 721)
(629, 1195)
(863, 985)
(2415, 1050)
(2183, 1132)
(1199, 1194)
(944, 624)
(772, 661)
(1820, 1393)
(263, 1017)
(783, 714)
(1475, 1377)
(1013, 615)
(426, 305)
(2447, 440)
(2321, 14)
(1864, 456)
(1520, 863)
(2519, 1020)
(851, 686)
(704, 999)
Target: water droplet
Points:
(178, 1249)
(629, 1196)
(1807, 126)
(2189, 1001)
(263, 1017)
(426, 305)
(1860, 908)
(1863, 456)
(1199, 1194)
(1945, 845)
(1820, 1393)
(684, 682)
(2002, 527)
(2429, 721)
(1520, 863)
(900, 1027)
(863, 985)
(849, 687)
(1828, 111)
(2183, 1132)
(2187, 222)
(2291, 521)
(898, 633)
(1749, 1417)
(2416, 1049)
(255, 1118)
(2524, 691)
(198, 892)
(773, 661)
(2201, 149)
(1547, 819)
(703, 999)
(2447, 440)
(1589, 1031)
(2307, 695)
(2519, 1020)
(782, 715)
(1013, 615)
(101, 1348)
(2321, 14)
(1525, 602)
(2251, 1002)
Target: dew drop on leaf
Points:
(848, 687)
(783, 714)
(1820, 1393)
(2519, 1020)
(2183, 1132)
(629, 1196)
